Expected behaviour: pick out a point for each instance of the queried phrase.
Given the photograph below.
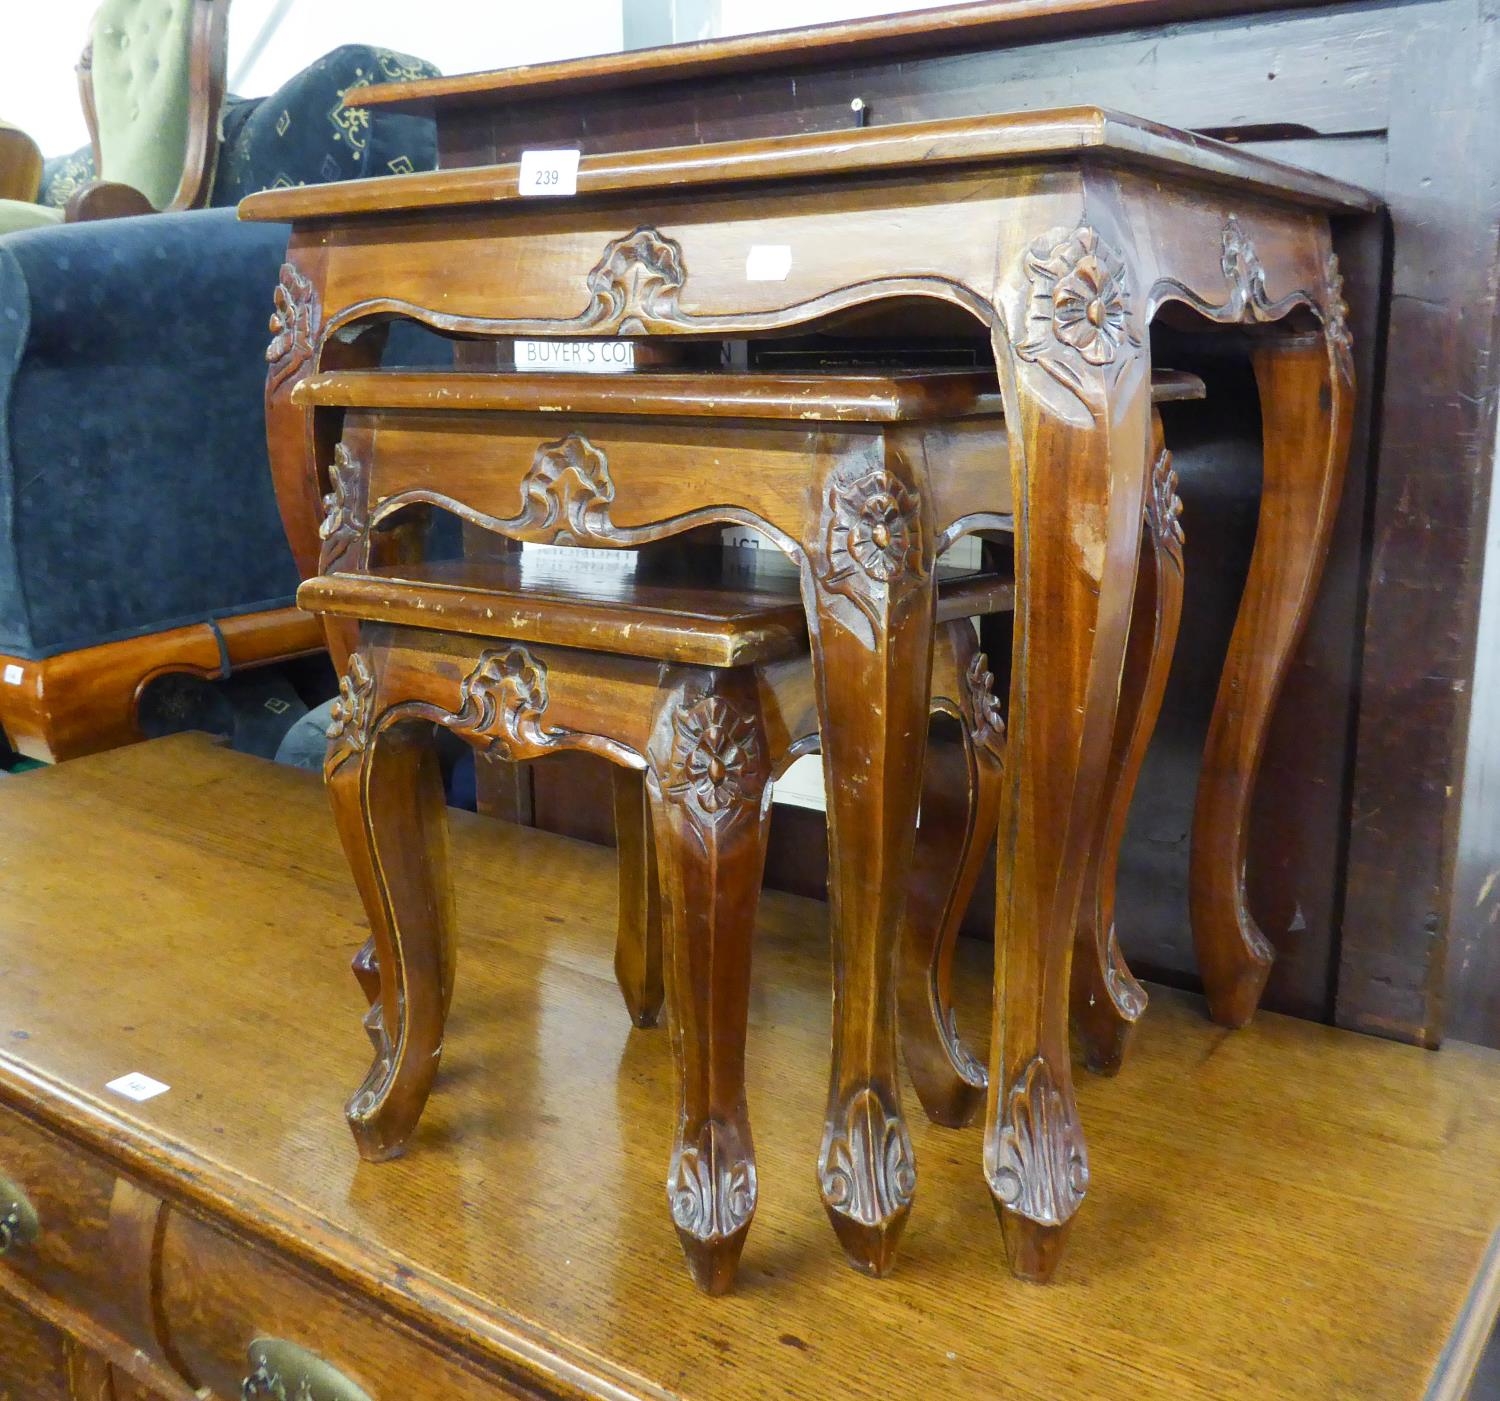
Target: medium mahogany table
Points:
(1064, 234)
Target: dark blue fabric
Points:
(135, 492)
(311, 130)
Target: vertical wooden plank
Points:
(1428, 524)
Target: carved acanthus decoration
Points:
(866, 1171)
(343, 510)
(715, 762)
(1128, 995)
(986, 723)
(352, 717)
(1248, 299)
(634, 286)
(1164, 507)
(964, 1062)
(872, 539)
(1040, 1169)
(501, 703)
(1079, 316)
(381, 1068)
(1336, 318)
(712, 1188)
(565, 495)
(294, 325)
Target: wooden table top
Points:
(1005, 138)
(963, 26)
(1285, 1211)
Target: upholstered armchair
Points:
(151, 82)
(139, 534)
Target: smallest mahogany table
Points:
(1289, 1211)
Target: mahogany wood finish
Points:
(1093, 222)
(83, 701)
(483, 1266)
(708, 719)
(1368, 756)
(1107, 1001)
(1306, 390)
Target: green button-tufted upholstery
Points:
(141, 85)
(18, 214)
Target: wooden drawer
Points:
(218, 1296)
(33, 1357)
(70, 1191)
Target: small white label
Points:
(768, 262)
(549, 173)
(582, 357)
(137, 1087)
(14, 674)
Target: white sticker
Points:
(137, 1087)
(768, 262)
(14, 674)
(549, 173)
(582, 357)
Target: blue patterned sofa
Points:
(139, 533)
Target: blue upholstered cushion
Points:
(135, 494)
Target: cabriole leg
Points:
(1107, 1001)
(960, 800)
(1307, 400)
(387, 796)
(706, 784)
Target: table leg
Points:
(1107, 1001)
(707, 787)
(1307, 402)
(386, 790)
(638, 936)
(868, 585)
(1078, 406)
(960, 797)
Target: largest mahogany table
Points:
(1284, 1212)
(1063, 234)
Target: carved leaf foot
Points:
(867, 1176)
(1037, 1168)
(711, 1191)
(383, 1111)
(1107, 1009)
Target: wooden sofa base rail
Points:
(85, 701)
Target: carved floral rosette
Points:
(872, 544)
(716, 761)
(712, 1185)
(1164, 507)
(352, 718)
(634, 285)
(343, 526)
(294, 325)
(1039, 1167)
(866, 1170)
(1079, 313)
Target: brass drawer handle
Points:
(18, 1219)
(285, 1372)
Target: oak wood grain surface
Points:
(1287, 1210)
